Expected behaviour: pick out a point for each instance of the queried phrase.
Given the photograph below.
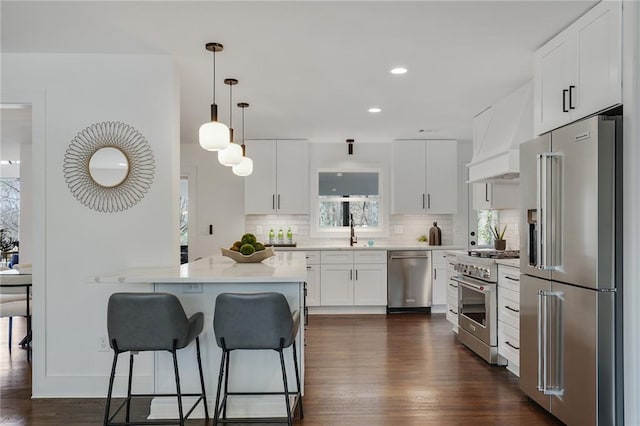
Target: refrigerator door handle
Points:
(557, 387)
(542, 341)
(538, 248)
(546, 160)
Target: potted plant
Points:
(499, 243)
(6, 244)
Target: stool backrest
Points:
(146, 321)
(253, 321)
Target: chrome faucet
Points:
(352, 239)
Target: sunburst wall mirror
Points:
(109, 166)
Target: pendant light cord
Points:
(230, 107)
(214, 77)
(243, 130)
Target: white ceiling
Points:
(312, 69)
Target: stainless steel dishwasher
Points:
(409, 284)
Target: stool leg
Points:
(111, 377)
(295, 366)
(10, 332)
(286, 386)
(204, 395)
(216, 413)
(175, 369)
(129, 387)
(226, 387)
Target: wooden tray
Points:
(256, 257)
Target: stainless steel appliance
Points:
(570, 306)
(409, 283)
(478, 302)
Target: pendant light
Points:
(231, 155)
(245, 168)
(214, 135)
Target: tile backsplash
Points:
(403, 229)
(511, 218)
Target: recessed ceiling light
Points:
(399, 70)
(374, 109)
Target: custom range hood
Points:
(498, 132)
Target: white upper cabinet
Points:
(494, 196)
(579, 72)
(425, 177)
(280, 179)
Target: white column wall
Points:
(72, 242)
(631, 210)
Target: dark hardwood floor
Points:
(360, 370)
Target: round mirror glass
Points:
(109, 167)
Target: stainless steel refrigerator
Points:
(570, 294)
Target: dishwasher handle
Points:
(410, 257)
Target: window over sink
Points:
(342, 193)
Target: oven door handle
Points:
(474, 287)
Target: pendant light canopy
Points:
(245, 167)
(214, 135)
(231, 155)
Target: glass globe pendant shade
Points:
(231, 155)
(245, 168)
(214, 136)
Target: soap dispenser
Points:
(289, 236)
(280, 236)
(272, 236)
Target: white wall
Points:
(218, 200)
(72, 242)
(631, 209)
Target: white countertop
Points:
(285, 266)
(363, 246)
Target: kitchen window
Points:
(342, 194)
(487, 220)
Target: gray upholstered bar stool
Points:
(139, 322)
(252, 322)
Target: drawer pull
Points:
(513, 279)
(511, 309)
(454, 286)
(453, 312)
(517, 348)
(308, 267)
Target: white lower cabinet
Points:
(353, 278)
(440, 279)
(313, 278)
(452, 294)
(509, 316)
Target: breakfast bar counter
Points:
(197, 284)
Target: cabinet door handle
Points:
(423, 201)
(273, 201)
(278, 201)
(435, 274)
(428, 201)
(512, 279)
(486, 192)
(564, 100)
(356, 275)
(351, 275)
(517, 348)
(511, 309)
(571, 97)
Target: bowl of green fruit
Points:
(248, 250)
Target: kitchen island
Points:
(197, 285)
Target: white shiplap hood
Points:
(497, 134)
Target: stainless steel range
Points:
(478, 303)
